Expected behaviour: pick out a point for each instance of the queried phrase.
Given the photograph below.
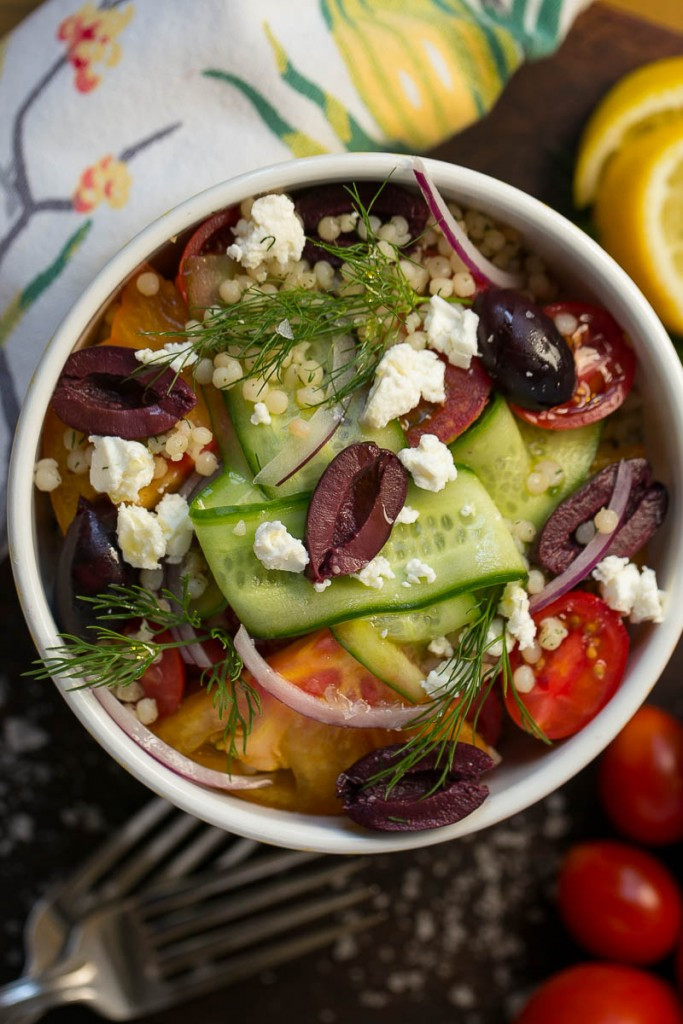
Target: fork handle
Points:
(27, 998)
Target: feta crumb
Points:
(407, 515)
(260, 414)
(147, 710)
(466, 511)
(239, 529)
(46, 475)
(375, 573)
(452, 330)
(441, 647)
(430, 464)
(438, 679)
(629, 591)
(173, 516)
(551, 633)
(494, 638)
(323, 585)
(514, 607)
(275, 548)
(140, 537)
(120, 468)
(402, 378)
(129, 693)
(273, 232)
(416, 571)
(183, 351)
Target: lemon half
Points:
(641, 101)
(639, 216)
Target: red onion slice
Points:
(169, 756)
(192, 653)
(483, 271)
(593, 551)
(340, 712)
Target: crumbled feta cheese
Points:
(140, 537)
(183, 352)
(323, 585)
(551, 633)
(273, 232)
(375, 573)
(239, 529)
(46, 475)
(466, 511)
(173, 516)
(515, 608)
(407, 515)
(275, 548)
(120, 468)
(438, 680)
(147, 710)
(452, 330)
(441, 647)
(494, 637)
(129, 693)
(416, 571)
(430, 464)
(402, 378)
(628, 590)
(260, 414)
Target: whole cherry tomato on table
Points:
(575, 681)
(641, 778)
(619, 902)
(602, 993)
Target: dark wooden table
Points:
(470, 925)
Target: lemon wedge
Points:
(639, 102)
(638, 214)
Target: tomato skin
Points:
(575, 681)
(619, 902)
(605, 367)
(467, 392)
(601, 993)
(165, 681)
(640, 778)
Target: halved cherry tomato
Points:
(575, 681)
(641, 778)
(605, 366)
(602, 993)
(165, 680)
(619, 902)
(213, 236)
(467, 393)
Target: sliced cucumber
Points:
(467, 552)
(210, 602)
(503, 450)
(262, 443)
(386, 660)
(225, 492)
(421, 624)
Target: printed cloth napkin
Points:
(113, 113)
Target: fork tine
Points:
(210, 945)
(185, 862)
(238, 852)
(152, 854)
(170, 895)
(204, 917)
(246, 965)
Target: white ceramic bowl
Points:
(528, 771)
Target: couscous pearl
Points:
(524, 529)
(566, 323)
(442, 286)
(536, 483)
(230, 291)
(206, 463)
(147, 710)
(463, 284)
(176, 446)
(46, 475)
(72, 439)
(203, 371)
(299, 427)
(130, 693)
(223, 378)
(585, 533)
(388, 233)
(324, 273)
(606, 521)
(276, 402)
(255, 389)
(535, 582)
(160, 468)
(417, 340)
(310, 396)
(413, 322)
(227, 362)
(444, 247)
(196, 585)
(147, 284)
(524, 679)
(551, 633)
(78, 461)
(494, 240)
(329, 229)
(532, 655)
(184, 427)
(201, 435)
(151, 579)
(348, 221)
(551, 470)
(476, 224)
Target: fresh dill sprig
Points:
(114, 658)
(472, 673)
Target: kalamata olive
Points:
(353, 509)
(105, 390)
(523, 350)
(333, 200)
(419, 800)
(89, 561)
(557, 546)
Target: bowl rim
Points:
(334, 834)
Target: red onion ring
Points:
(192, 652)
(593, 551)
(169, 756)
(346, 713)
(483, 271)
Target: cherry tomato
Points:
(213, 236)
(575, 681)
(467, 393)
(619, 902)
(641, 778)
(165, 681)
(605, 367)
(602, 994)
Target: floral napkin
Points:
(114, 113)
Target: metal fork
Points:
(182, 939)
